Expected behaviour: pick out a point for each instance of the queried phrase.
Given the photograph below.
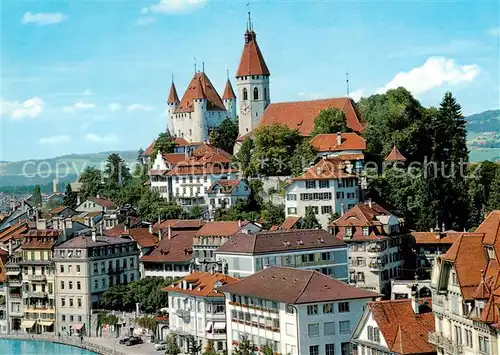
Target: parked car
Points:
(161, 345)
(134, 341)
(123, 340)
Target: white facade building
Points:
(328, 187)
(226, 193)
(198, 310)
(283, 308)
(244, 255)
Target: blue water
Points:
(30, 347)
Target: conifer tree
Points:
(37, 196)
(310, 220)
(70, 198)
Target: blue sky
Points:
(83, 77)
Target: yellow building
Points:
(38, 281)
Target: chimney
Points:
(54, 185)
(41, 224)
(100, 229)
(370, 202)
(342, 209)
(151, 228)
(443, 227)
(339, 138)
(160, 234)
(94, 236)
(239, 223)
(414, 297)
(169, 232)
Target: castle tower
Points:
(172, 103)
(252, 79)
(229, 99)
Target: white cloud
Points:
(43, 19)
(435, 72)
(63, 138)
(357, 94)
(139, 107)
(113, 107)
(92, 137)
(18, 110)
(79, 106)
(169, 7)
(495, 31)
(145, 20)
(86, 92)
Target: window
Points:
(69, 268)
(312, 309)
(77, 268)
(329, 328)
(328, 308)
(340, 195)
(78, 285)
(484, 344)
(290, 329)
(62, 285)
(310, 184)
(313, 330)
(291, 197)
(468, 338)
(71, 302)
(63, 302)
(326, 209)
(291, 210)
(95, 284)
(255, 93)
(314, 350)
(314, 208)
(373, 334)
(289, 309)
(348, 231)
(366, 231)
(343, 307)
(245, 94)
(324, 184)
(71, 318)
(344, 327)
(70, 285)
(62, 269)
(63, 318)
(329, 349)
(79, 303)
(345, 349)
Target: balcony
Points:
(447, 344)
(37, 278)
(35, 294)
(376, 266)
(15, 283)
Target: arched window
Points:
(245, 94)
(255, 93)
(265, 93)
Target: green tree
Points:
(70, 198)
(330, 120)
(267, 350)
(140, 153)
(209, 349)
(242, 210)
(151, 206)
(494, 197)
(224, 136)
(273, 147)
(164, 143)
(272, 214)
(304, 157)
(193, 347)
(194, 212)
(172, 348)
(310, 221)
(116, 172)
(36, 197)
(244, 348)
(244, 157)
(91, 179)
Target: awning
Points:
(46, 323)
(28, 324)
(77, 326)
(13, 272)
(219, 326)
(209, 326)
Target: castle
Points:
(202, 109)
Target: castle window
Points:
(265, 93)
(190, 132)
(255, 93)
(245, 94)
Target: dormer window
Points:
(366, 231)
(348, 231)
(490, 251)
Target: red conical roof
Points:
(252, 62)
(173, 98)
(395, 155)
(228, 92)
(200, 87)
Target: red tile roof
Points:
(179, 142)
(102, 201)
(228, 92)
(280, 241)
(14, 231)
(300, 115)
(173, 98)
(150, 149)
(252, 62)
(206, 159)
(395, 155)
(3, 272)
(177, 249)
(404, 331)
(117, 230)
(39, 239)
(328, 142)
(227, 185)
(295, 286)
(326, 169)
(58, 210)
(174, 158)
(200, 87)
(221, 228)
(289, 223)
(436, 238)
(142, 237)
(202, 284)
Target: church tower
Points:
(252, 79)
(172, 103)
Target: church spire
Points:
(228, 91)
(173, 98)
(252, 62)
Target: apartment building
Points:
(197, 309)
(214, 234)
(331, 186)
(374, 237)
(226, 193)
(85, 267)
(4, 321)
(293, 311)
(395, 327)
(38, 280)
(465, 288)
(346, 146)
(428, 245)
(13, 293)
(309, 249)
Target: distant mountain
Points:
(66, 167)
(487, 121)
(483, 136)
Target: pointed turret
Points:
(173, 98)
(228, 92)
(395, 155)
(229, 99)
(252, 62)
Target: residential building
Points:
(226, 193)
(163, 164)
(38, 281)
(85, 267)
(14, 301)
(403, 289)
(293, 311)
(4, 319)
(465, 288)
(428, 245)
(62, 212)
(374, 237)
(396, 327)
(328, 187)
(96, 204)
(309, 249)
(346, 146)
(198, 309)
(214, 234)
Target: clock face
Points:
(245, 107)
